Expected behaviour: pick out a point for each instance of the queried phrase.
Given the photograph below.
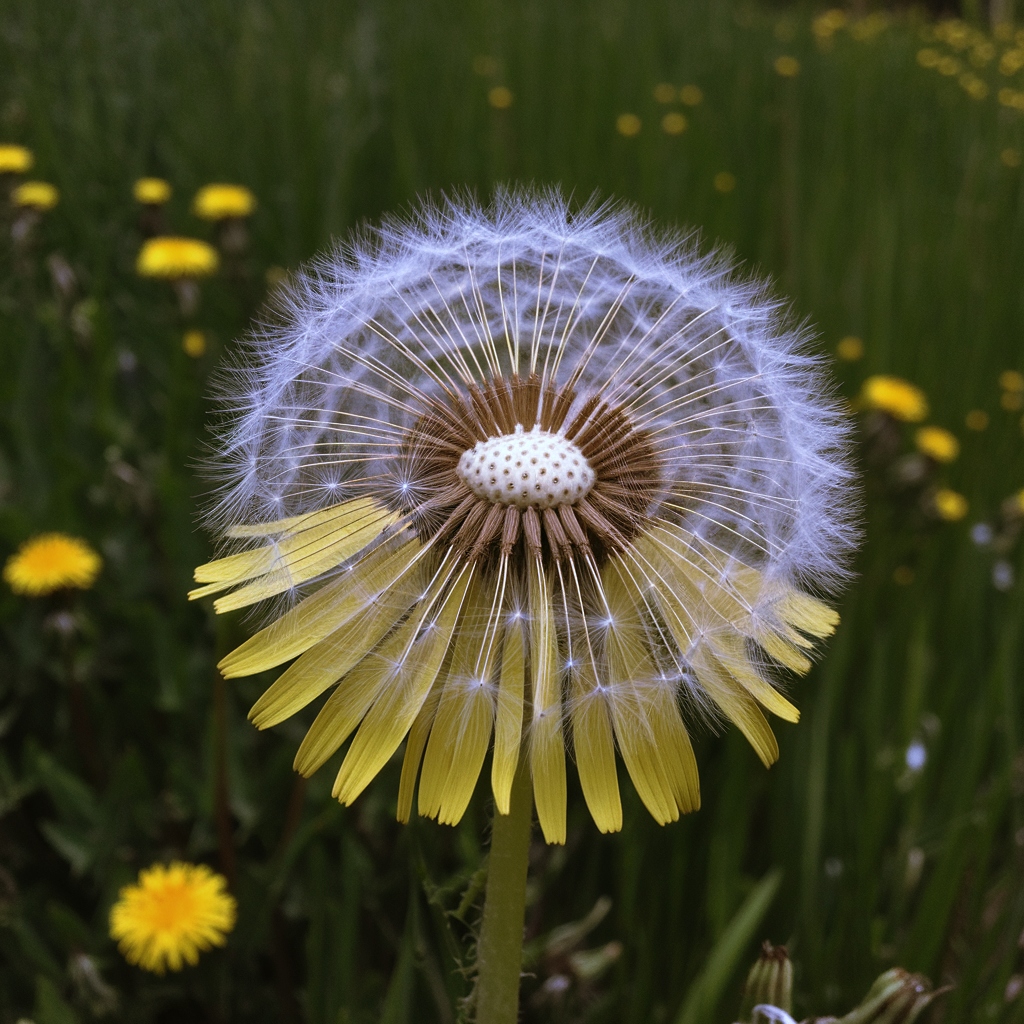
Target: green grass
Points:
(871, 189)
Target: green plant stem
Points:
(500, 949)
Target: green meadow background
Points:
(885, 201)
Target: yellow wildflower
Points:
(976, 419)
(151, 191)
(895, 396)
(1012, 380)
(724, 182)
(937, 443)
(691, 95)
(36, 195)
(194, 344)
(850, 349)
(49, 562)
(664, 92)
(15, 159)
(982, 53)
(950, 506)
(973, 86)
(825, 25)
(1012, 401)
(1011, 62)
(928, 58)
(172, 915)
(168, 256)
(628, 125)
(786, 66)
(674, 123)
(217, 201)
(500, 97)
(948, 66)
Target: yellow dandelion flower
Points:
(194, 344)
(218, 201)
(826, 24)
(1012, 401)
(982, 53)
(850, 349)
(1010, 157)
(973, 86)
(500, 97)
(787, 66)
(928, 57)
(151, 191)
(895, 396)
(665, 92)
(674, 123)
(937, 443)
(628, 125)
(172, 257)
(52, 561)
(518, 560)
(691, 95)
(171, 915)
(724, 182)
(948, 66)
(977, 420)
(1011, 62)
(36, 195)
(15, 159)
(1012, 380)
(950, 506)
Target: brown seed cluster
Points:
(446, 511)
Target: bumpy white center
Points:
(534, 467)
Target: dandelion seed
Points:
(549, 451)
(50, 562)
(896, 397)
(15, 159)
(220, 201)
(628, 125)
(36, 195)
(151, 191)
(175, 258)
(938, 444)
(171, 915)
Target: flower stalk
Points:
(500, 947)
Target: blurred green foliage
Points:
(888, 204)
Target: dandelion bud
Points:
(896, 995)
(770, 982)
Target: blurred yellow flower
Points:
(500, 97)
(828, 23)
(937, 443)
(948, 66)
(49, 562)
(976, 419)
(194, 344)
(724, 181)
(982, 53)
(865, 29)
(36, 195)
(628, 125)
(788, 67)
(1012, 401)
(14, 159)
(1011, 62)
(665, 92)
(973, 86)
(928, 58)
(691, 95)
(1010, 157)
(151, 191)
(850, 349)
(172, 257)
(674, 123)
(1012, 380)
(895, 396)
(949, 505)
(1011, 98)
(171, 915)
(217, 201)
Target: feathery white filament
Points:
(527, 468)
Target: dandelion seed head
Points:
(370, 425)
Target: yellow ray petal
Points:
(594, 747)
(547, 751)
(783, 651)
(338, 601)
(462, 728)
(414, 747)
(807, 613)
(733, 658)
(398, 704)
(328, 661)
(508, 719)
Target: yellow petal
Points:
(732, 656)
(414, 747)
(547, 751)
(808, 614)
(384, 571)
(398, 704)
(594, 747)
(508, 719)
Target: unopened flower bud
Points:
(896, 997)
(770, 982)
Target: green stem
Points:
(500, 949)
